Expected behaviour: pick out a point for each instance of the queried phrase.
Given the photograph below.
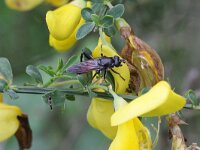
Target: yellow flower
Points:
(160, 100)
(101, 110)
(120, 84)
(57, 2)
(63, 21)
(23, 5)
(8, 120)
(99, 114)
(64, 45)
(131, 135)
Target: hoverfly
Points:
(100, 64)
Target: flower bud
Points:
(63, 21)
(23, 5)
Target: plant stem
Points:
(69, 91)
(103, 40)
(191, 106)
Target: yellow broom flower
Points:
(8, 120)
(160, 100)
(57, 2)
(63, 21)
(23, 5)
(132, 134)
(101, 110)
(64, 45)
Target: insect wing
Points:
(84, 67)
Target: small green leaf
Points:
(86, 14)
(47, 70)
(117, 11)
(191, 96)
(12, 94)
(107, 21)
(85, 79)
(60, 64)
(97, 7)
(110, 31)
(54, 98)
(70, 97)
(95, 18)
(3, 85)
(71, 61)
(84, 30)
(34, 73)
(5, 69)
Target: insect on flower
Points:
(100, 64)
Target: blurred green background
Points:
(171, 27)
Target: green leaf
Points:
(95, 18)
(110, 31)
(97, 7)
(86, 14)
(191, 96)
(70, 97)
(54, 98)
(48, 71)
(71, 61)
(117, 11)
(34, 73)
(84, 30)
(107, 21)
(60, 64)
(12, 94)
(3, 85)
(5, 69)
(85, 79)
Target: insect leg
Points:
(117, 73)
(97, 72)
(104, 75)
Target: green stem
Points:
(70, 91)
(61, 83)
(191, 106)
(108, 3)
(103, 39)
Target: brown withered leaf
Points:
(24, 132)
(175, 133)
(144, 63)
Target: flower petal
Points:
(8, 120)
(57, 2)
(160, 100)
(126, 138)
(63, 21)
(64, 45)
(120, 84)
(99, 114)
(23, 5)
(143, 135)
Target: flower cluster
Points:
(118, 120)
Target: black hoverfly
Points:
(100, 64)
